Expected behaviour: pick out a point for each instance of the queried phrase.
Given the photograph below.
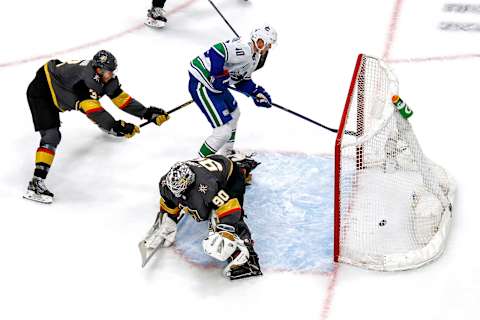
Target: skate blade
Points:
(152, 23)
(30, 195)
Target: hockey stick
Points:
(146, 253)
(303, 117)
(351, 133)
(169, 112)
(221, 15)
(263, 57)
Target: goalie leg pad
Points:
(165, 232)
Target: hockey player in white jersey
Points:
(224, 64)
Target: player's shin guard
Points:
(219, 137)
(43, 160)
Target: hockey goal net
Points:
(393, 206)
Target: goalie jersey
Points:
(235, 56)
(218, 189)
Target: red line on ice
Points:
(330, 291)
(93, 43)
(392, 29)
(431, 59)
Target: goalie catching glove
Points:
(261, 97)
(124, 129)
(157, 115)
(164, 235)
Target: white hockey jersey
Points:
(240, 61)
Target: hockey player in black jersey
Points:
(210, 189)
(77, 85)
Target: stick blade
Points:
(147, 253)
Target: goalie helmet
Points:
(179, 178)
(266, 33)
(105, 60)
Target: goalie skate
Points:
(246, 163)
(249, 269)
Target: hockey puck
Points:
(382, 223)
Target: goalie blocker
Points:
(208, 189)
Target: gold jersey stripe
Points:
(90, 106)
(165, 208)
(122, 100)
(230, 170)
(228, 208)
(52, 92)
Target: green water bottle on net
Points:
(402, 107)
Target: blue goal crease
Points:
(289, 210)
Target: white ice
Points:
(77, 258)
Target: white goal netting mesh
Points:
(394, 204)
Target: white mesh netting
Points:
(394, 204)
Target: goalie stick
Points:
(171, 111)
(147, 253)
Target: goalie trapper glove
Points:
(124, 129)
(157, 115)
(221, 81)
(261, 97)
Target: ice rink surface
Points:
(77, 258)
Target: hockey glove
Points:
(261, 97)
(221, 81)
(157, 115)
(124, 129)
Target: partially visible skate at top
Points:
(156, 18)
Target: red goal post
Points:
(392, 205)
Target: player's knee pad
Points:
(50, 137)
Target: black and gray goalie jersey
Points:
(210, 193)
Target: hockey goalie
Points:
(208, 189)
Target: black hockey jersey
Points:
(74, 85)
(213, 191)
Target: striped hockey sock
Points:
(206, 150)
(43, 160)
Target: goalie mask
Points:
(179, 178)
(267, 34)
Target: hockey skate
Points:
(249, 269)
(156, 18)
(37, 191)
(246, 163)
